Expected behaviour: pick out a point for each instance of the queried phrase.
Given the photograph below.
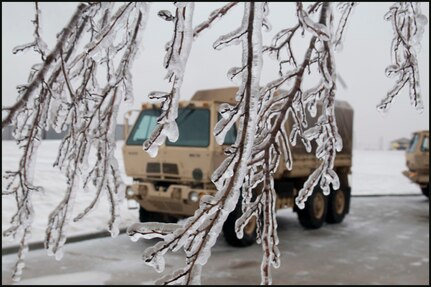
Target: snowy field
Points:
(373, 172)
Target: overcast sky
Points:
(361, 62)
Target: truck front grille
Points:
(170, 168)
(153, 167)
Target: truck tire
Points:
(426, 190)
(249, 235)
(338, 205)
(150, 216)
(314, 213)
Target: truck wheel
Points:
(338, 203)
(149, 216)
(249, 234)
(426, 190)
(314, 213)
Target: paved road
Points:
(384, 240)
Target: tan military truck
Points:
(417, 160)
(169, 186)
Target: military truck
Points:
(417, 160)
(169, 186)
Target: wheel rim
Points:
(340, 202)
(251, 226)
(318, 205)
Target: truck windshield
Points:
(413, 143)
(193, 126)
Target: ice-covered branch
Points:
(177, 54)
(212, 18)
(38, 44)
(408, 25)
(200, 231)
(29, 125)
(282, 42)
(325, 131)
(346, 9)
(64, 92)
(97, 129)
(271, 141)
(32, 86)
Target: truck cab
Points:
(417, 160)
(169, 186)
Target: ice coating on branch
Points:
(408, 25)
(317, 29)
(213, 18)
(233, 38)
(70, 98)
(177, 53)
(346, 9)
(28, 124)
(166, 15)
(199, 232)
(149, 230)
(107, 35)
(224, 125)
(234, 74)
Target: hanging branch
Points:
(177, 54)
(88, 112)
(30, 117)
(97, 127)
(346, 9)
(29, 90)
(214, 16)
(272, 142)
(38, 44)
(200, 231)
(408, 25)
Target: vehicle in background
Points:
(400, 144)
(417, 160)
(169, 186)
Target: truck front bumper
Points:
(419, 178)
(175, 199)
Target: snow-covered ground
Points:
(373, 172)
(383, 241)
(380, 172)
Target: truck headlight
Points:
(193, 196)
(129, 191)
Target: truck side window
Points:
(413, 143)
(230, 135)
(425, 144)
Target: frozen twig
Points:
(64, 93)
(408, 25)
(199, 233)
(177, 53)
